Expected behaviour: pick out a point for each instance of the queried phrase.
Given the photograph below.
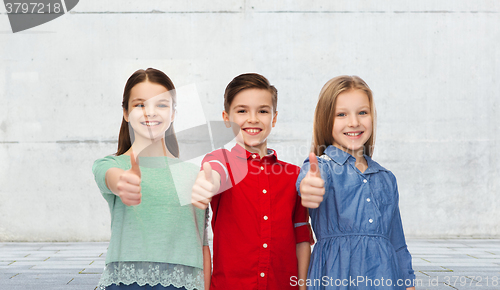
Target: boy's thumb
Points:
(314, 169)
(134, 161)
(208, 171)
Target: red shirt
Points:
(257, 221)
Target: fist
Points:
(129, 184)
(204, 187)
(312, 187)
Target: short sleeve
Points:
(218, 163)
(398, 241)
(303, 231)
(100, 167)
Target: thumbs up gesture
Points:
(207, 184)
(312, 187)
(129, 184)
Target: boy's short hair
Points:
(248, 81)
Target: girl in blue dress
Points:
(353, 200)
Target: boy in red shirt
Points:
(262, 235)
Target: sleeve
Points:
(100, 167)
(303, 231)
(218, 162)
(323, 168)
(398, 241)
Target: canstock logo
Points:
(26, 14)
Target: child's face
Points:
(252, 111)
(352, 124)
(150, 110)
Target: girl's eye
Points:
(363, 113)
(139, 105)
(340, 115)
(163, 106)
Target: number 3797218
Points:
(34, 8)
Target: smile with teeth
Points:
(353, 134)
(252, 131)
(151, 123)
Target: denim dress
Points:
(360, 239)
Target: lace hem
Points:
(152, 273)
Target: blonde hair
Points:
(325, 112)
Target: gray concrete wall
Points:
(433, 67)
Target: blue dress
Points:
(360, 239)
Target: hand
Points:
(312, 187)
(204, 187)
(129, 184)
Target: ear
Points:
(275, 117)
(225, 117)
(125, 115)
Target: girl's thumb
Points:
(314, 169)
(134, 161)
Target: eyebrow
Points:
(142, 100)
(245, 106)
(345, 109)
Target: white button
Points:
(365, 181)
(264, 191)
(262, 274)
(266, 218)
(262, 168)
(370, 221)
(253, 155)
(265, 246)
(368, 199)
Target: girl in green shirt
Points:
(156, 241)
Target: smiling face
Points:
(150, 111)
(353, 124)
(252, 111)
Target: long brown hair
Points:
(126, 137)
(325, 112)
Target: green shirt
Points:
(159, 229)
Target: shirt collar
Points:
(340, 157)
(242, 152)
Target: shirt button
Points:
(264, 191)
(253, 155)
(262, 274)
(265, 246)
(368, 199)
(370, 221)
(262, 168)
(365, 181)
(266, 218)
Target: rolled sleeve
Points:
(302, 228)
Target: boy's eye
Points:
(139, 105)
(163, 106)
(263, 111)
(241, 111)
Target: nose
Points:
(353, 121)
(253, 118)
(149, 111)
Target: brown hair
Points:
(126, 137)
(325, 112)
(248, 81)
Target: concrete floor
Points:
(438, 263)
